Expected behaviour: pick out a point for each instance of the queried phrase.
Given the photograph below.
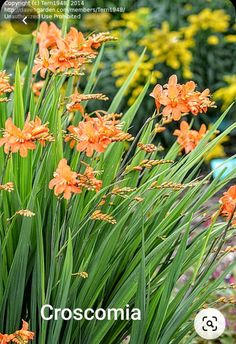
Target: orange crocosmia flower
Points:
(93, 182)
(156, 94)
(75, 104)
(88, 137)
(177, 99)
(18, 337)
(77, 98)
(58, 54)
(38, 131)
(14, 139)
(23, 335)
(5, 87)
(37, 87)
(199, 102)
(6, 338)
(77, 42)
(228, 204)
(202, 131)
(65, 181)
(174, 106)
(187, 138)
(188, 90)
(62, 56)
(47, 35)
(43, 63)
(93, 134)
(96, 40)
(75, 38)
(88, 180)
(68, 55)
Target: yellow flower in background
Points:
(137, 18)
(188, 31)
(230, 38)
(188, 7)
(123, 68)
(228, 93)
(213, 40)
(170, 47)
(207, 19)
(217, 152)
(97, 21)
(133, 20)
(119, 34)
(117, 24)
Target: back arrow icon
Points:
(24, 21)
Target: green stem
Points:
(199, 262)
(53, 228)
(4, 168)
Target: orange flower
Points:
(65, 181)
(23, 335)
(58, 55)
(14, 139)
(157, 94)
(62, 56)
(77, 98)
(96, 40)
(93, 134)
(18, 337)
(178, 100)
(189, 139)
(171, 99)
(65, 57)
(228, 204)
(6, 338)
(47, 35)
(76, 41)
(159, 129)
(38, 131)
(89, 136)
(199, 102)
(88, 180)
(5, 87)
(75, 104)
(9, 187)
(37, 87)
(43, 63)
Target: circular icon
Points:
(209, 323)
(24, 20)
